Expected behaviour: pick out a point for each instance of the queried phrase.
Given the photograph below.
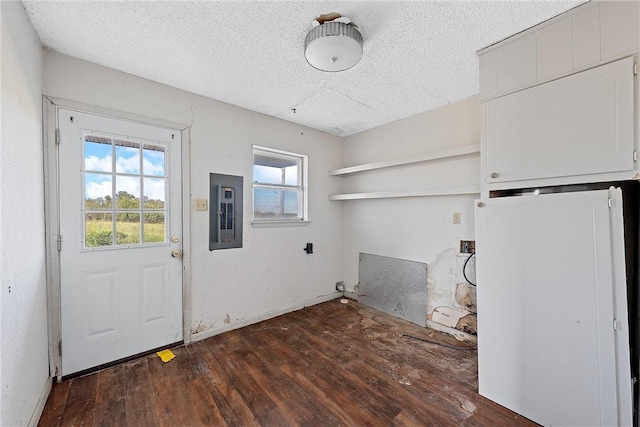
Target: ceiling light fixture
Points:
(333, 44)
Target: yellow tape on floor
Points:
(166, 355)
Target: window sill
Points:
(277, 224)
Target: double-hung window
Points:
(279, 186)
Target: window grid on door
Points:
(125, 186)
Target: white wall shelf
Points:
(447, 191)
(435, 155)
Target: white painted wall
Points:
(418, 229)
(24, 363)
(271, 274)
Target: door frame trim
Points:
(50, 106)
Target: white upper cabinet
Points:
(619, 27)
(516, 64)
(577, 125)
(589, 35)
(554, 49)
(585, 35)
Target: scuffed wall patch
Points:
(198, 328)
(466, 297)
(451, 301)
(442, 277)
(468, 324)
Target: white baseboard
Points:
(351, 295)
(37, 412)
(244, 322)
(463, 336)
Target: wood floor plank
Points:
(323, 393)
(204, 405)
(81, 400)
(393, 380)
(329, 364)
(52, 413)
(385, 353)
(197, 388)
(294, 401)
(261, 405)
(140, 398)
(231, 405)
(110, 398)
(169, 383)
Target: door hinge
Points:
(57, 136)
(635, 155)
(635, 69)
(616, 325)
(60, 347)
(610, 202)
(59, 242)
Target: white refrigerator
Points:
(553, 327)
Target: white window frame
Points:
(303, 179)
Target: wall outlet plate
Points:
(456, 218)
(201, 204)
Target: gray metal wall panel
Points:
(394, 286)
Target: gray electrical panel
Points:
(225, 214)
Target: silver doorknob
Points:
(176, 253)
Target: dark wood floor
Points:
(331, 364)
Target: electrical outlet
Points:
(201, 204)
(467, 246)
(457, 218)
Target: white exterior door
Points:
(553, 339)
(120, 220)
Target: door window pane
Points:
(127, 192)
(98, 229)
(97, 154)
(154, 194)
(127, 228)
(97, 191)
(127, 157)
(154, 227)
(154, 160)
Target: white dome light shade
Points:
(333, 46)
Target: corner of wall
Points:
(418, 229)
(24, 363)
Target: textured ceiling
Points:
(417, 55)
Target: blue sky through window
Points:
(271, 175)
(98, 157)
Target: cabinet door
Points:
(550, 284)
(578, 125)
